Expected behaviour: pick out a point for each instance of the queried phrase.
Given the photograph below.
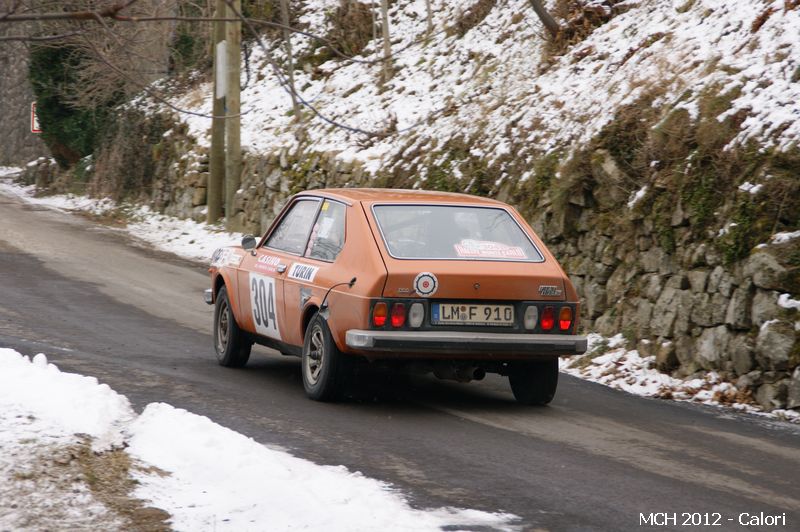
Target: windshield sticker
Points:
(303, 272)
(426, 284)
(267, 263)
(325, 228)
(485, 249)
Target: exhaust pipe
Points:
(459, 373)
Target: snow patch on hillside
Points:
(492, 83)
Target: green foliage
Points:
(69, 132)
(740, 238)
(440, 177)
(188, 51)
(528, 195)
(626, 136)
(132, 152)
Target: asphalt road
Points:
(595, 459)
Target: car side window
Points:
(327, 235)
(292, 232)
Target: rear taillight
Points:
(548, 318)
(379, 313)
(531, 317)
(416, 314)
(565, 318)
(398, 315)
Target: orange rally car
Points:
(453, 284)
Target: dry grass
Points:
(108, 476)
(580, 22)
(762, 18)
(351, 27)
(470, 18)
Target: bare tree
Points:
(549, 22)
(387, 43)
(289, 58)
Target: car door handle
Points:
(281, 268)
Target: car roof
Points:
(377, 195)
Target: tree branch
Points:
(42, 38)
(108, 12)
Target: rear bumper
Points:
(456, 342)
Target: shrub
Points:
(70, 133)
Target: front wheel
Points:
(534, 382)
(230, 342)
(325, 368)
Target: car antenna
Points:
(324, 310)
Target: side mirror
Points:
(249, 242)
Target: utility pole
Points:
(215, 192)
(233, 162)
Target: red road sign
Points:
(34, 120)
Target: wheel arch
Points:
(221, 279)
(308, 313)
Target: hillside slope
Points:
(493, 79)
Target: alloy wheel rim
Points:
(222, 328)
(316, 355)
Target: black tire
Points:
(325, 369)
(231, 344)
(535, 382)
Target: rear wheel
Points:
(325, 368)
(534, 382)
(230, 342)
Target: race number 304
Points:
(262, 301)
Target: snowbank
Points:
(217, 479)
(608, 362)
(185, 238)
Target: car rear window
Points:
(453, 232)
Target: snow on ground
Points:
(42, 413)
(494, 76)
(217, 479)
(185, 238)
(608, 362)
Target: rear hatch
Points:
(461, 252)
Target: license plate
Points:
(469, 314)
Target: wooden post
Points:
(233, 161)
(216, 175)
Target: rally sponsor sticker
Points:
(267, 263)
(426, 284)
(303, 272)
(486, 249)
(226, 257)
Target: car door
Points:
(315, 271)
(263, 273)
